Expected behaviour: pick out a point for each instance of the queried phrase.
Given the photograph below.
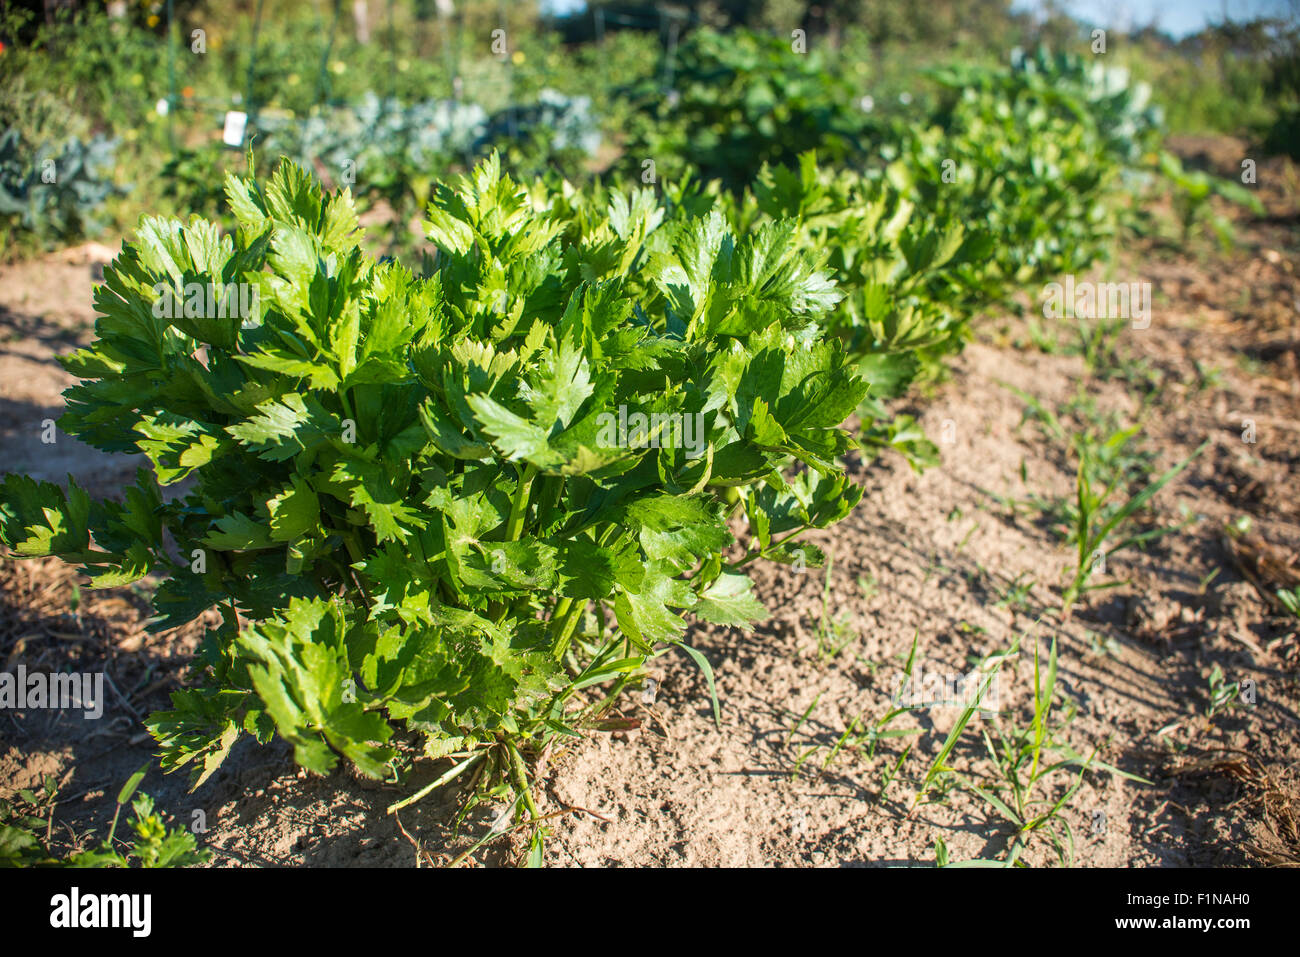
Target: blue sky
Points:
(562, 6)
(1178, 17)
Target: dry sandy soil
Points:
(947, 557)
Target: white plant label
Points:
(232, 134)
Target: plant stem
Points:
(514, 528)
(572, 614)
(568, 612)
(763, 551)
(519, 778)
(519, 507)
(354, 552)
(551, 489)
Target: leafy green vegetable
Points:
(54, 191)
(25, 821)
(739, 100)
(443, 505)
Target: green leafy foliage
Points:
(1019, 176)
(26, 821)
(379, 145)
(739, 100)
(554, 131)
(436, 507)
(1192, 190)
(1101, 519)
(1027, 161)
(54, 191)
(912, 282)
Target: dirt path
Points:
(944, 556)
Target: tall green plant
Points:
(427, 510)
(738, 100)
